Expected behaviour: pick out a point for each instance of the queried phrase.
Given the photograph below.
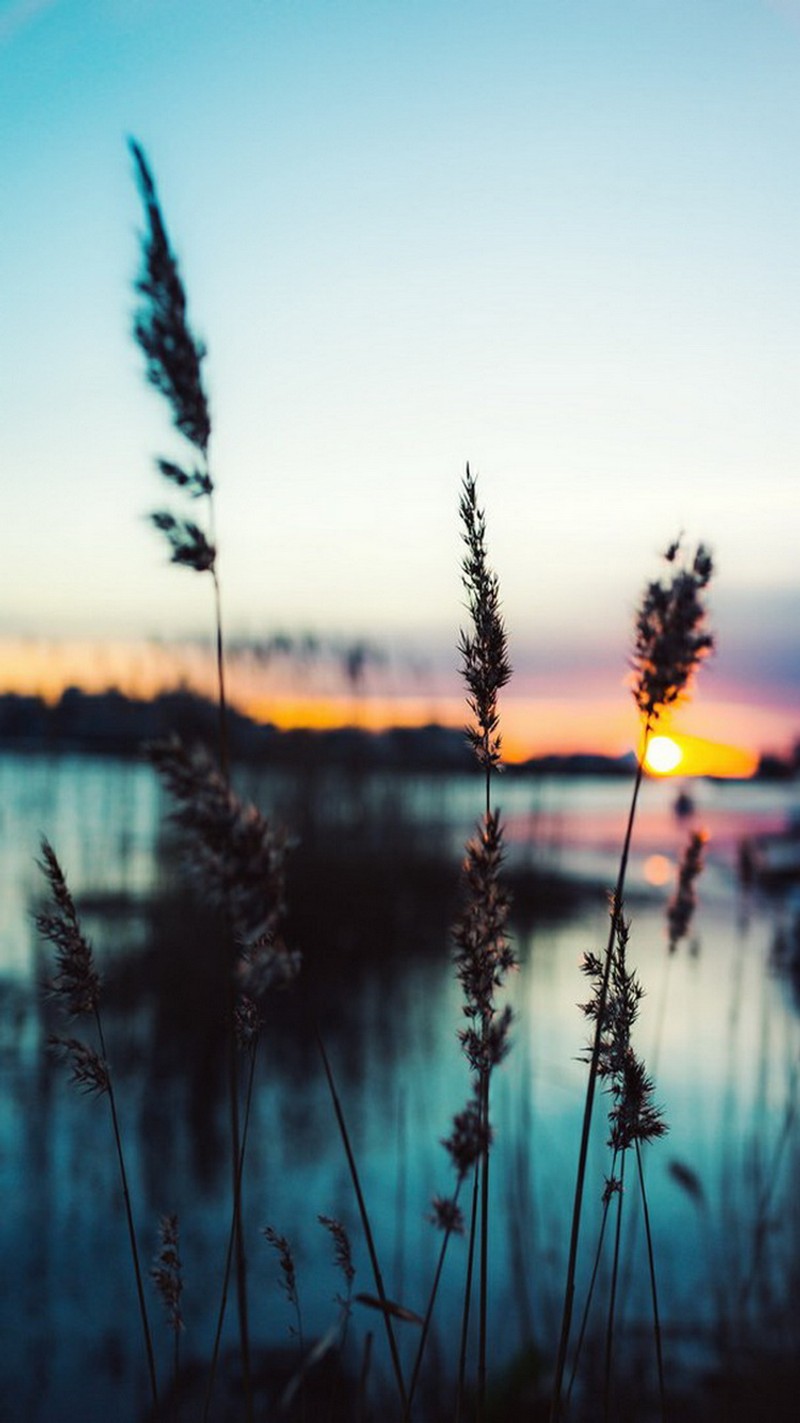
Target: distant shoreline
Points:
(112, 724)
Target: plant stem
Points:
(653, 1289)
(148, 1340)
(483, 1295)
(373, 1255)
(231, 1239)
(569, 1292)
(237, 1168)
(237, 1148)
(590, 1292)
(484, 1169)
(222, 702)
(429, 1312)
(613, 1297)
(462, 1356)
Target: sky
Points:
(560, 241)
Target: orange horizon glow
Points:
(531, 725)
(679, 753)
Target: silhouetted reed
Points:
(671, 640)
(484, 646)
(288, 1279)
(633, 1116)
(388, 1309)
(483, 954)
(75, 987)
(237, 858)
(166, 1272)
(680, 910)
(174, 358)
(343, 1260)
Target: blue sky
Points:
(560, 240)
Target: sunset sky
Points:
(558, 240)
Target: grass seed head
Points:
(167, 1272)
(236, 855)
(265, 963)
(483, 954)
(89, 1071)
(342, 1253)
(196, 482)
(681, 907)
(247, 1023)
(280, 1244)
(469, 1139)
(671, 635)
(76, 984)
(172, 353)
(188, 544)
(632, 1115)
(484, 649)
(446, 1215)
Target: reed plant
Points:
(75, 988)
(679, 915)
(288, 1278)
(237, 855)
(633, 1116)
(166, 1273)
(483, 953)
(671, 639)
(234, 852)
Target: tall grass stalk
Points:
(167, 1274)
(594, 1060)
(239, 859)
(598, 1255)
(679, 916)
(76, 989)
(633, 1117)
(461, 1379)
(343, 1259)
(285, 1254)
(174, 358)
(653, 1284)
(223, 1302)
(385, 1306)
(483, 954)
(112, 1102)
(670, 641)
(450, 1218)
(612, 1301)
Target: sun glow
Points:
(664, 755)
(686, 755)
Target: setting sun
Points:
(664, 755)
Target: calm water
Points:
(719, 1028)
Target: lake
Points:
(373, 890)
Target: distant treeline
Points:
(110, 723)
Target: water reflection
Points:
(373, 889)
